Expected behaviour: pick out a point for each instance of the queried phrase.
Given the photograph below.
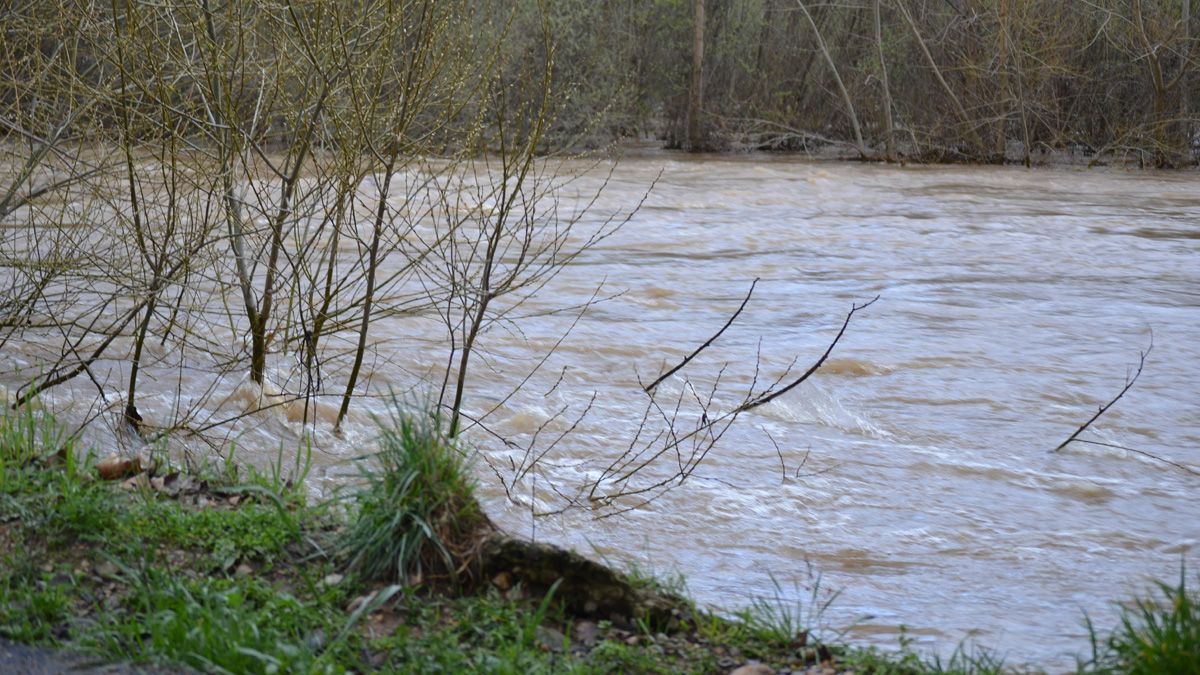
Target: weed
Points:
(667, 583)
(32, 608)
(780, 620)
(964, 660)
(417, 513)
(252, 531)
(1157, 635)
(216, 625)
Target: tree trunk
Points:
(1184, 104)
(695, 134)
(889, 127)
(858, 138)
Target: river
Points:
(912, 476)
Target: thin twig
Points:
(650, 387)
(772, 395)
(1143, 453)
(1104, 408)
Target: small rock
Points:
(754, 669)
(138, 482)
(107, 570)
(502, 581)
(243, 570)
(332, 580)
(111, 602)
(587, 633)
(550, 639)
(116, 466)
(146, 463)
(633, 640)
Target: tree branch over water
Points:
(674, 437)
(650, 387)
(768, 396)
(1129, 381)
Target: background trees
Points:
(979, 80)
(234, 194)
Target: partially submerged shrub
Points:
(1157, 635)
(417, 514)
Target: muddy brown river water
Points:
(913, 473)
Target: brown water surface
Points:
(913, 473)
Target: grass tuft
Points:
(781, 620)
(1159, 634)
(417, 517)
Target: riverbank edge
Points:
(224, 568)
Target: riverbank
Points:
(223, 570)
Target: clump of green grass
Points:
(780, 620)
(44, 482)
(964, 661)
(417, 516)
(1159, 634)
(219, 625)
(473, 634)
(33, 607)
(967, 659)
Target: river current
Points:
(912, 476)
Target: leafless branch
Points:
(650, 387)
(1129, 381)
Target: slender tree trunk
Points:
(1184, 104)
(368, 299)
(695, 133)
(999, 150)
(958, 106)
(858, 139)
(889, 127)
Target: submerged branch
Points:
(1104, 408)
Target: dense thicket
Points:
(256, 184)
(937, 79)
(216, 214)
(959, 79)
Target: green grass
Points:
(217, 625)
(417, 516)
(265, 583)
(907, 661)
(33, 606)
(784, 619)
(1158, 634)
